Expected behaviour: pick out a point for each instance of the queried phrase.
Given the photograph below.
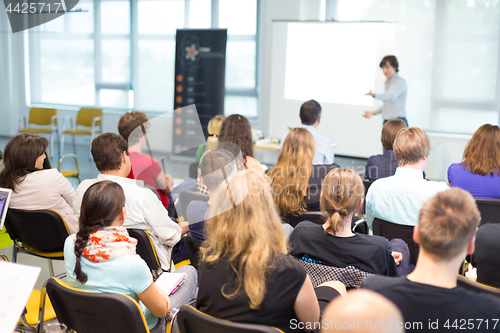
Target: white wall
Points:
(12, 85)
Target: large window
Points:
(449, 55)
(120, 54)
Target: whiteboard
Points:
(335, 63)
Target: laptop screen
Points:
(5, 194)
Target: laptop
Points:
(5, 194)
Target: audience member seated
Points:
(211, 164)
(381, 166)
(133, 127)
(430, 295)
(144, 209)
(213, 129)
(362, 311)
(290, 176)
(486, 259)
(244, 272)
(479, 171)
(398, 198)
(236, 129)
(101, 257)
(310, 116)
(334, 243)
(34, 187)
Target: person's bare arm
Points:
(164, 182)
(306, 305)
(156, 300)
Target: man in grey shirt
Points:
(394, 97)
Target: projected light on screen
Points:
(334, 63)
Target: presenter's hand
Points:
(371, 93)
(368, 114)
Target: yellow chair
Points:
(70, 173)
(32, 317)
(45, 120)
(86, 117)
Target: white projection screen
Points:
(335, 63)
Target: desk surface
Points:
(275, 146)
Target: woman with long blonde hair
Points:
(334, 243)
(479, 171)
(244, 272)
(290, 175)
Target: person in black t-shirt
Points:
(334, 243)
(244, 272)
(429, 297)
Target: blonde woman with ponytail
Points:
(245, 274)
(101, 258)
(334, 243)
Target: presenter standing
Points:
(394, 97)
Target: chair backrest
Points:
(315, 217)
(192, 248)
(490, 210)
(191, 320)
(43, 229)
(391, 230)
(350, 276)
(367, 183)
(87, 312)
(186, 196)
(145, 248)
(477, 287)
(193, 170)
(41, 116)
(85, 115)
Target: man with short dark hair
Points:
(394, 97)
(398, 198)
(310, 116)
(429, 297)
(144, 209)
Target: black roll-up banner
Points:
(200, 66)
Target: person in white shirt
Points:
(34, 187)
(394, 97)
(398, 198)
(144, 209)
(310, 116)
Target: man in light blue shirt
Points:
(394, 97)
(398, 198)
(310, 116)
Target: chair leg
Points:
(74, 144)
(51, 268)
(14, 253)
(52, 144)
(61, 148)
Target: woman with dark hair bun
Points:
(32, 186)
(101, 257)
(479, 171)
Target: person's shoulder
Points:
(375, 240)
(84, 185)
(306, 225)
(437, 186)
(286, 264)
(381, 283)
(487, 301)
